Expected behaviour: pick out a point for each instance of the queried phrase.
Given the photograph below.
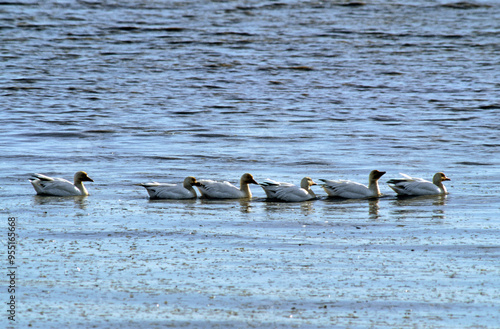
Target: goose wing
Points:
(45, 185)
(41, 177)
(415, 188)
(167, 191)
(406, 179)
(412, 186)
(345, 189)
(285, 191)
(220, 190)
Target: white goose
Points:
(289, 192)
(225, 190)
(352, 190)
(45, 185)
(172, 191)
(418, 186)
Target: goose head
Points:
(375, 175)
(439, 178)
(81, 176)
(306, 183)
(190, 181)
(247, 179)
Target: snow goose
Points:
(172, 191)
(225, 190)
(418, 186)
(352, 190)
(45, 185)
(289, 192)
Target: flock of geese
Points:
(406, 185)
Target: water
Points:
(135, 91)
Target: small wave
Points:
(471, 163)
(213, 135)
(464, 5)
(298, 68)
(100, 131)
(352, 4)
(58, 135)
(187, 112)
(490, 107)
(385, 118)
(311, 163)
(15, 88)
(163, 158)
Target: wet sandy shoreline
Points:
(255, 264)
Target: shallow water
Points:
(138, 91)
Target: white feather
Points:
(225, 190)
(353, 190)
(418, 186)
(45, 185)
(289, 192)
(172, 191)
